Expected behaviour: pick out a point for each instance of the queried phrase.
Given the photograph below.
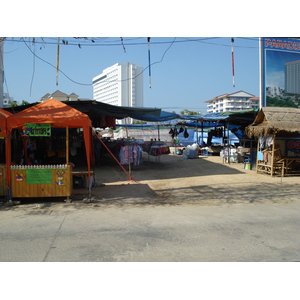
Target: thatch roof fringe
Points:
(274, 119)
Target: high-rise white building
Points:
(292, 77)
(232, 102)
(120, 85)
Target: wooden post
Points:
(197, 134)
(129, 164)
(67, 144)
(67, 158)
(202, 129)
(272, 158)
(258, 149)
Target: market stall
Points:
(3, 145)
(277, 130)
(34, 125)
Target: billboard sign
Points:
(280, 72)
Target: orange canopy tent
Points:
(58, 114)
(3, 116)
(4, 134)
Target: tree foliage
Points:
(286, 102)
(15, 103)
(190, 113)
(139, 122)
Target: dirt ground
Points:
(205, 180)
(173, 180)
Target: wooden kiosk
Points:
(55, 180)
(278, 133)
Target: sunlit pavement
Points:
(187, 233)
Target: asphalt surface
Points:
(166, 233)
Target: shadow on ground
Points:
(149, 187)
(127, 195)
(163, 167)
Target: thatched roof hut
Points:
(271, 120)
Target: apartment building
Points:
(7, 100)
(120, 85)
(232, 102)
(60, 96)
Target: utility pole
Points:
(1, 71)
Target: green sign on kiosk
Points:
(37, 129)
(38, 176)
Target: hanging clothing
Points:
(265, 156)
(156, 149)
(269, 141)
(260, 156)
(265, 142)
(130, 154)
(175, 131)
(186, 135)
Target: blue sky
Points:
(185, 71)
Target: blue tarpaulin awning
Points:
(164, 116)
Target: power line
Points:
(126, 41)
(79, 83)
(157, 62)
(86, 84)
(102, 42)
(90, 84)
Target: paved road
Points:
(185, 233)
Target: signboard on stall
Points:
(37, 129)
(38, 176)
(292, 148)
(280, 76)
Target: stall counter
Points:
(41, 181)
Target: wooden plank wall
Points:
(61, 186)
